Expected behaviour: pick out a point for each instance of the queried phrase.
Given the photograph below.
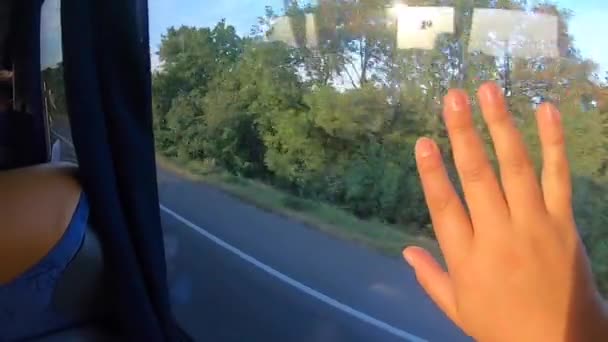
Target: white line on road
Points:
(286, 279)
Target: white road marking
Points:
(290, 281)
(286, 279)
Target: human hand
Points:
(517, 270)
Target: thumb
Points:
(433, 279)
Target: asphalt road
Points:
(220, 294)
(238, 273)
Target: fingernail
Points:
(425, 147)
(490, 93)
(408, 258)
(553, 115)
(456, 101)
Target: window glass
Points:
(310, 110)
(51, 60)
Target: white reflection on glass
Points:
(282, 30)
(418, 27)
(498, 33)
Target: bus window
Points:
(51, 58)
(310, 110)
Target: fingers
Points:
(520, 185)
(556, 181)
(434, 280)
(450, 221)
(481, 188)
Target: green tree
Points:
(54, 91)
(190, 58)
(244, 104)
(337, 121)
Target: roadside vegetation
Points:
(328, 218)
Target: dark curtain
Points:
(107, 76)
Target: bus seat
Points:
(80, 295)
(80, 290)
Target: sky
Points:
(50, 34)
(242, 14)
(589, 27)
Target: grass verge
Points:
(387, 239)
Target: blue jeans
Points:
(26, 304)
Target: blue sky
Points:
(242, 14)
(50, 34)
(589, 25)
(590, 28)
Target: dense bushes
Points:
(259, 120)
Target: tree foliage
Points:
(337, 120)
(54, 91)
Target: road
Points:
(238, 273)
(220, 295)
